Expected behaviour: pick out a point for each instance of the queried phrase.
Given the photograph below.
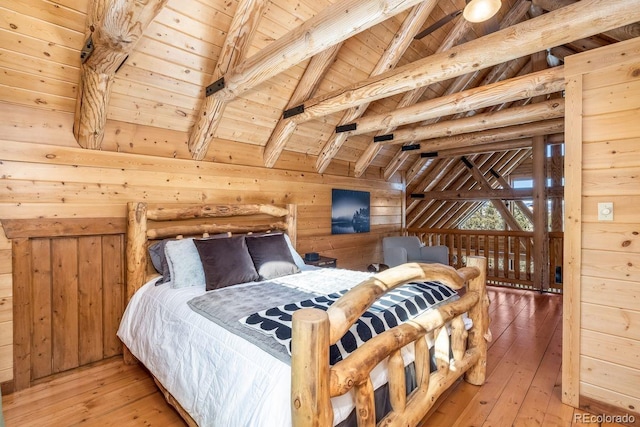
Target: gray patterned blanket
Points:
(261, 312)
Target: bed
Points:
(226, 371)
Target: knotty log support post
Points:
(310, 400)
(136, 256)
(479, 334)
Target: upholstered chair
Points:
(401, 249)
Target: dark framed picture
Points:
(350, 211)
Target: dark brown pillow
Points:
(225, 262)
(271, 256)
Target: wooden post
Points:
(310, 400)
(291, 223)
(540, 213)
(136, 257)
(555, 173)
(479, 314)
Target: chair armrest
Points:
(395, 256)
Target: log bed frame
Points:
(313, 380)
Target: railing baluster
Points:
(496, 253)
(516, 257)
(397, 383)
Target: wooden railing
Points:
(510, 254)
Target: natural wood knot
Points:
(297, 403)
(636, 72)
(635, 233)
(626, 243)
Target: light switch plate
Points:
(605, 211)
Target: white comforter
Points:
(219, 378)
(216, 376)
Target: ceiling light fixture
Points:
(481, 10)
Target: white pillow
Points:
(297, 259)
(184, 262)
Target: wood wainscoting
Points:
(68, 294)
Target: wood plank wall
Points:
(68, 293)
(601, 367)
(45, 175)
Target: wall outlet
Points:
(605, 211)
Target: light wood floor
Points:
(522, 388)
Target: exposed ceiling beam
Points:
(485, 194)
(115, 28)
(505, 166)
(544, 82)
(332, 25)
(545, 110)
(432, 177)
(511, 144)
(586, 18)
(506, 70)
(243, 26)
(526, 130)
(389, 59)
(625, 32)
(483, 183)
(516, 14)
(457, 179)
(307, 85)
(523, 208)
(459, 83)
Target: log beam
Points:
(546, 110)
(243, 26)
(484, 194)
(506, 215)
(625, 32)
(527, 130)
(115, 27)
(389, 59)
(523, 208)
(332, 25)
(587, 17)
(307, 85)
(511, 144)
(507, 70)
(516, 14)
(522, 87)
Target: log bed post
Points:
(479, 334)
(309, 359)
(136, 257)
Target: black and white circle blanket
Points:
(395, 307)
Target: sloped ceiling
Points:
(162, 82)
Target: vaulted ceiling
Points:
(285, 74)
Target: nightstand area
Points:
(323, 261)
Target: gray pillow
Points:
(184, 263)
(225, 262)
(159, 260)
(271, 256)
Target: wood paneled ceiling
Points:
(465, 89)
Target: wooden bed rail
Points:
(314, 382)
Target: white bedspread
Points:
(219, 378)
